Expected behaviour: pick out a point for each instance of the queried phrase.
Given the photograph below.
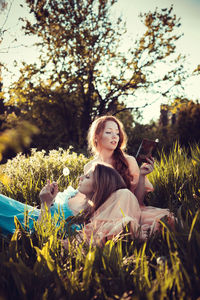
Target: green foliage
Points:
(27, 175)
(176, 179)
(15, 139)
(179, 121)
(188, 123)
(166, 266)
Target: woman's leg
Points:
(9, 208)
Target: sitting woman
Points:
(107, 141)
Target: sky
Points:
(12, 49)
(188, 44)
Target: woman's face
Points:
(110, 136)
(86, 184)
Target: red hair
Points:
(120, 162)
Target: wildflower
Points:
(161, 260)
(66, 171)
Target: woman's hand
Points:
(147, 167)
(48, 193)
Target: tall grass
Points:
(176, 179)
(166, 266)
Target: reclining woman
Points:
(109, 206)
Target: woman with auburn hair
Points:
(107, 141)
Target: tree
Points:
(179, 121)
(82, 73)
(188, 123)
(12, 138)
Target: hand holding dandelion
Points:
(48, 193)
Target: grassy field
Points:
(166, 266)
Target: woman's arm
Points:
(138, 186)
(47, 195)
(140, 189)
(145, 169)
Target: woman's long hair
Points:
(120, 162)
(106, 180)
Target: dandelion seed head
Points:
(66, 171)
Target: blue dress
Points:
(10, 208)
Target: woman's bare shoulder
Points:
(130, 158)
(89, 165)
(133, 166)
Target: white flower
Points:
(161, 260)
(65, 171)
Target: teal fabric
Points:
(9, 208)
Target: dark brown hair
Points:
(120, 162)
(106, 181)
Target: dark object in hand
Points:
(146, 150)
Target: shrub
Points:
(27, 175)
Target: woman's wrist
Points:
(142, 176)
(45, 205)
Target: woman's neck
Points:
(106, 156)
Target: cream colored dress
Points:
(120, 209)
(123, 208)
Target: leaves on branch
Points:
(82, 73)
